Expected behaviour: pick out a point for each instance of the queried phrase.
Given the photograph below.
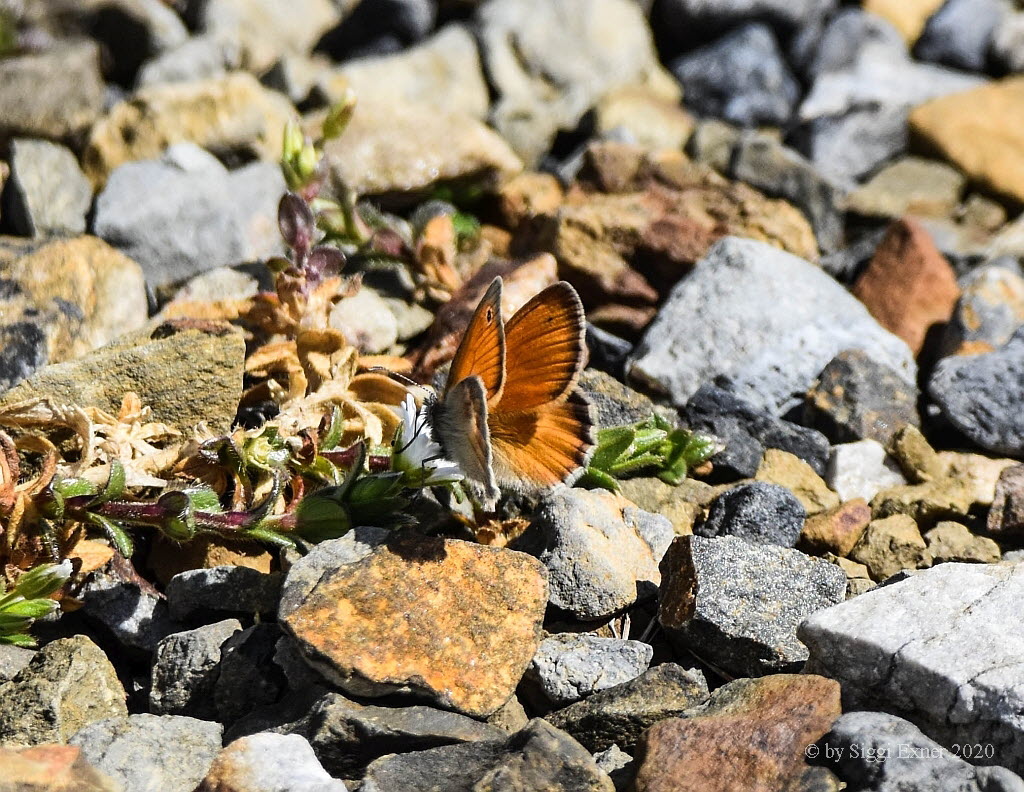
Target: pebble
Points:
(910, 185)
(67, 685)
(686, 20)
(745, 431)
(909, 17)
(890, 545)
(752, 734)
(741, 78)
(839, 43)
(916, 457)
(200, 57)
(169, 753)
(960, 33)
(269, 763)
(943, 498)
(989, 311)
(856, 398)
(127, 607)
(848, 146)
(836, 530)
(618, 765)
(248, 677)
(51, 767)
(129, 31)
(862, 470)
(795, 475)
(1006, 517)
(1006, 47)
(12, 660)
(777, 340)
(712, 143)
(972, 393)
(644, 116)
(682, 504)
(737, 605)
(460, 622)
(952, 541)
(568, 667)
(366, 321)
(619, 715)
(47, 194)
(612, 403)
(223, 589)
(601, 551)
(185, 669)
(757, 512)
(379, 27)
(933, 648)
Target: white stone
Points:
(861, 470)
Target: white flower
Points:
(417, 454)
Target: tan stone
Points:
(453, 621)
(890, 545)
(836, 530)
(51, 768)
(682, 504)
(927, 502)
(952, 541)
(651, 120)
(911, 185)
(529, 195)
(790, 471)
(980, 131)
(907, 16)
(917, 458)
(229, 113)
(978, 472)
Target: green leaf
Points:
(114, 487)
(73, 487)
(270, 537)
(42, 580)
(115, 533)
(178, 522)
(321, 515)
(593, 478)
(204, 499)
(335, 429)
(611, 445)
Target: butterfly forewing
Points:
(543, 350)
(461, 421)
(482, 351)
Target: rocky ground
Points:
(795, 230)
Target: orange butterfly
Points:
(510, 413)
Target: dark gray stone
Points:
(132, 611)
(619, 715)
(612, 403)
(742, 78)
(131, 32)
(47, 193)
(990, 309)
(223, 589)
(684, 22)
(248, 677)
(837, 45)
(185, 670)
(1006, 517)
(608, 352)
(758, 512)
(850, 145)
(960, 33)
(24, 348)
(380, 27)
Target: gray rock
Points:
(1006, 517)
(185, 213)
(47, 193)
(960, 33)
(366, 320)
(686, 20)
(933, 647)
(537, 757)
(737, 605)
(185, 670)
(990, 310)
(779, 336)
(712, 143)
(757, 512)
(741, 78)
(1008, 43)
(199, 58)
(12, 660)
(137, 616)
(130, 31)
(67, 685)
(862, 470)
(778, 171)
(619, 715)
(838, 45)
(570, 666)
(848, 146)
(25, 349)
(223, 589)
(269, 763)
(151, 753)
(612, 403)
(618, 765)
(248, 677)
(879, 752)
(974, 393)
(551, 60)
(601, 552)
(910, 185)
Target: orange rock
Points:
(908, 286)
(51, 768)
(751, 737)
(453, 621)
(837, 530)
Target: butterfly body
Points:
(510, 413)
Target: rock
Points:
(792, 473)
(737, 605)
(910, 185)
(128, 607)
(409, 147)
(405, 595)
(952, 541)
(64, 300)
(643, 116)
(168, 558)
(918, 459)
(366, 321)
(881, 752)
(67, 685)
(685, 20)
(223, 589)
(959, 33)
(184, 213)
(568, 667)
(848, 146)
(269, 763)
(909, 18)
(12, 660)
(37, 105)
(1006, 48)
(989, 311)
(612, 403)
(909, 287)
(201, 57)
(379, 27)
(836, 530)
(948, 497)
(170, 753)
(682, 504)
(51, 768)
(712, 143)
(233, 113)
(620, 714)
(777, 339)
(977, 473)
(971, 393)
(446, 66)
(1006, 517)
(841, 41)
(47, 193)
(264, 30)
(185, 377)
(978, 132)
(857, 398)
(890, 545)
(745, 431)
(129, 31)
(185, 670)
(550, 62)
(757, 512)
(741, 78)
(248, 677)
(618, 765)
(600, 550)
(751, 735)
(779, 171)
(537, 757)
(933, 648)
(861, 470)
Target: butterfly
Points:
(509, 413)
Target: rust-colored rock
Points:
(837, 530)
(452, 621)
(908, 286)
(51, 768)
(751, 737)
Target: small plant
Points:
(30, 599)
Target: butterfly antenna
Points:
(399, 377)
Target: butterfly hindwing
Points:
(482, 351)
